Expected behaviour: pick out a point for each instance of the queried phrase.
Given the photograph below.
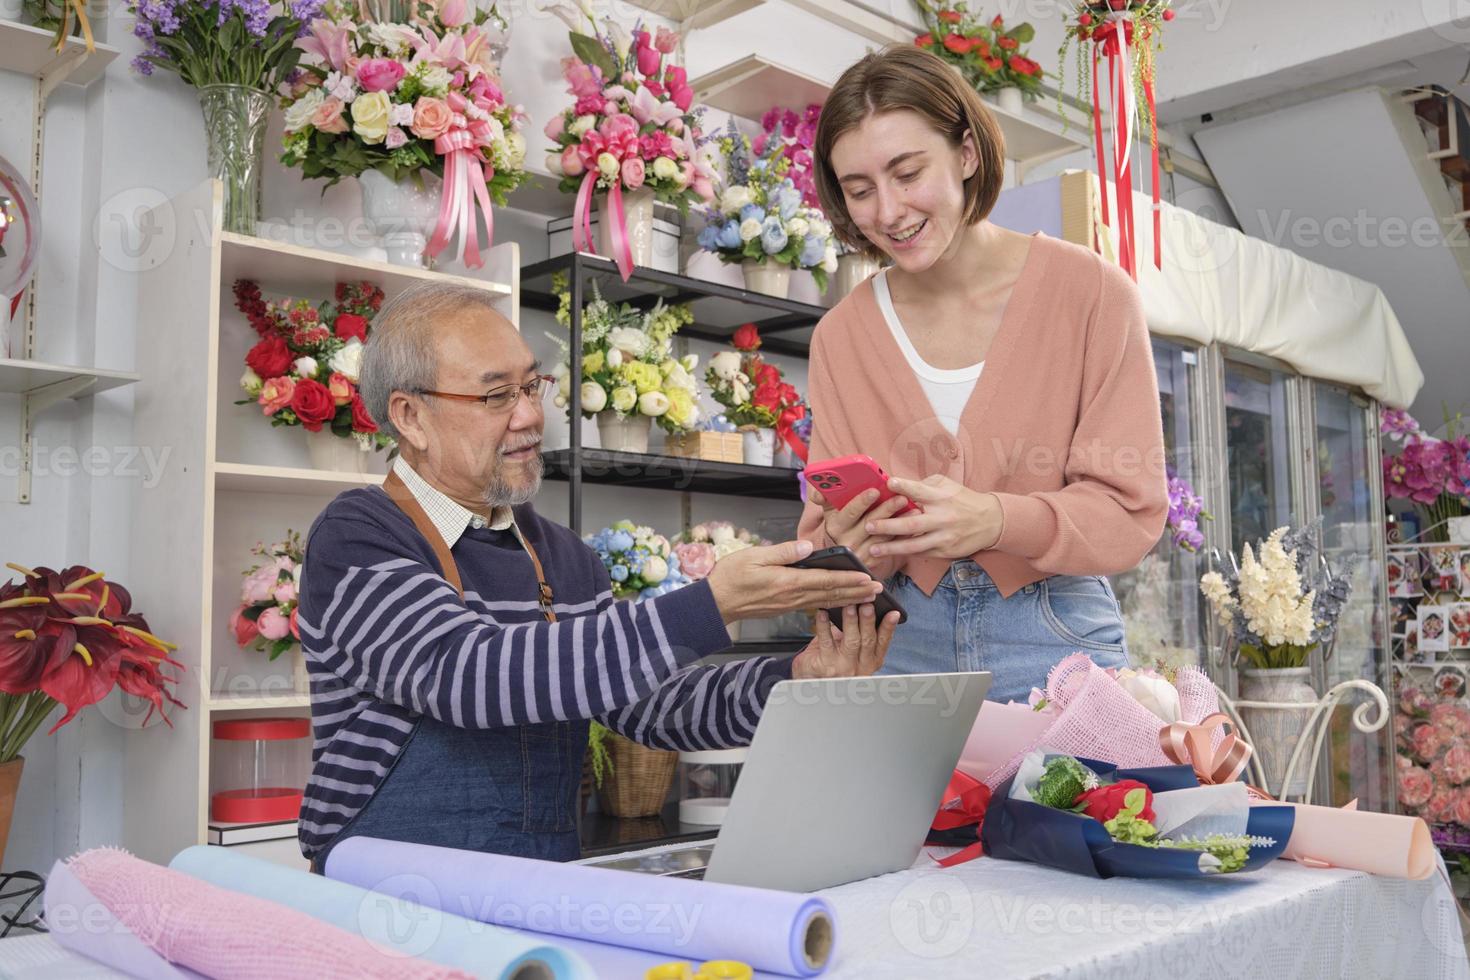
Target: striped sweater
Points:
(388, 640)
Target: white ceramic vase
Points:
(402, 214)
(637, 218)
(336, 454)
(1275, 732)
(624, 435)
(770, 278)
(758, 446)
(1009, 99)
(852, 269)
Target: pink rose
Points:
(1462, 806)
(431, 118)
(1427, 740)
(1457, 763)
(276, 394)
(395, 138)
(285, 592)
(242, 628)
(1451, 717)
(571, 161)
(666, 40)
(340, 388)
(1414, 700)
(696, 558)
(273, 623)
(555, 126)
(486, 92)
(620, 131)
(1415, 786)
(703, 189)
(259, 584)
(1439, 809)
(380, 74)
(327, 117)
(582, 79)
(632, 173)
(454, 12)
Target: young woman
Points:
(1005, 381)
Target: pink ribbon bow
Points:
(466, 182)
(1192, 745)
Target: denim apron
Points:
(509, 790)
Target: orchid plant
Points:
(1186, 510)
(796, 134)
(1432, 472)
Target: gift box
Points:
(719, 447)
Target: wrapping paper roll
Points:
(680, 919)
(1387, 844)
(427, 933)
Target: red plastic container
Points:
(263, 764)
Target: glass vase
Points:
(234, 132)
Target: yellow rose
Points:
(592, 363)
(681, 407)
(370, 116)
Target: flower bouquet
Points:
(640, 561)
(630, 127)
(629, 372)
(304, 369)
(796, 134)
(388, 102)
(266, 615)
(989, 56)
(1186, 510)
(1432, 734)
(756, 399)
(235, 52)
(1433, 473)
(761, 221)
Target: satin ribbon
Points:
(785, 428)
(1192, 745)
(965, 801)
(466, 178)
(582, 223)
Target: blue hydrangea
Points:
(753, 211)
(707, 237)
(729, 236)
(813, 250)
(619, 541)
(773, 236)
(788, 200)
(619, 573)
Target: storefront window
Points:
(1258, 472)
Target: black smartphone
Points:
(841, 559)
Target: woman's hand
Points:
(957, 522)
(847, 526)
(856, 650)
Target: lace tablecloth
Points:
(1003, 919)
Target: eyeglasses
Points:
(502, 398)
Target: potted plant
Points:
(266, 616)
(630, 376)
(1278, 606)
(410, 103)
(629, 129)
(761, 223)
(990, 56)
(1431, 472)
(70, 638)
(236, 55)
(304, 370)
(756, 399)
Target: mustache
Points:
(527, 444)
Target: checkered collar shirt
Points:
(449, 518)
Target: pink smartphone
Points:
(842, 479)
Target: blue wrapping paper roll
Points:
(680, 919)
(1019, 830)
(428, 933)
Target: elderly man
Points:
(458, 642)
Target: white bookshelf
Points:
(232, 480)
(28, 50)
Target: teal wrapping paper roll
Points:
(428, 933)
(680, 919)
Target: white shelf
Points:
(861, 20)
(252, 478)
(748, 87)
(22, 377)
(250, 702)
(692, 15)
(296, 270)
(32, 51)
(1036, 135)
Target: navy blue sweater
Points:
(387, 640)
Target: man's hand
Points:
(957, 522)
(847, 526)
(856, 650)
(755, 583)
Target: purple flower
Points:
(1398, 424)
(1186, 508)
(771, 119)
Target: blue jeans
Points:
(966, 625)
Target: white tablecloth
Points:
(1002, 919)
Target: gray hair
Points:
(400, 354)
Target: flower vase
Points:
(770, 278)
(336, 454)
(637, 220)
(625, 434)
(9, 787)
(758, 446)
(401, 213)
(234, 130)
(852, 269)
(1275, 732)
(1010, 101)
(300, 677)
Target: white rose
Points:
(580, 125)
(306, 367)
(370, 116)
(298, 113)
(734, 199)
(624, 398)
(725, 365)
(251, 382)
(665, 168)
(594, 399)
(614, 358)
(653, 403)
(699, 533)
(553, 164)
(679, 378)
(721, 534)
(819, 227)
(689, 361)
(348, 361)
(629, 340)
(749, 229)
(797, 227)
(608, 165)
(515, 149)
(829, 260)
(564, 386)
(655, 570)
(560, 401)
(434, 79)
(729, 547)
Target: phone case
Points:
(842, 479)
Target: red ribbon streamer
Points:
(785, 429)
(1109, 42)
(965, 801)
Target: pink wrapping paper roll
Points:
(1386, 844)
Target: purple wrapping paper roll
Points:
(679, 919)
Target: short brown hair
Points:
(906, 77)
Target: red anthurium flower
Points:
(82, 677)
(29, 642)
(139, 674)
(747, 337)
(79, 591)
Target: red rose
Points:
(957, 44)
(312, 403)
(951, 16)
(1105, 802)
(1024, 66)
(1008, 43)
(924, 41)
(361, 420)
(747, 337)
(767, 374)
(270, 358)
(349, 325)
(982, 46)
(998, 23)
(295, 630)
(994, 64)
(766, 396)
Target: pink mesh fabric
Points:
(1198, 698)
(224, 934)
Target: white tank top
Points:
(948, 390)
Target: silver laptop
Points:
(842, 782)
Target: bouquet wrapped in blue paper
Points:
(1095, 819)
